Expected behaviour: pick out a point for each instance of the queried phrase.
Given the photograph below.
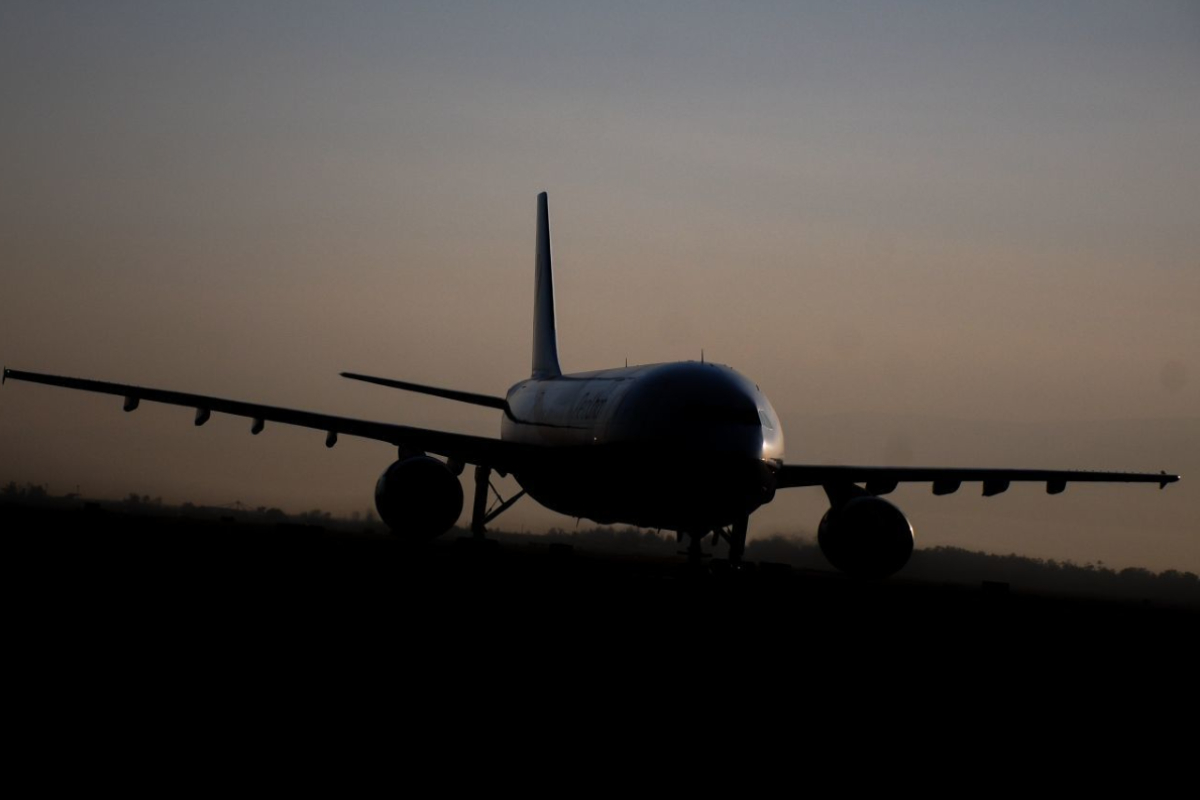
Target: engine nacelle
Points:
(418, 498)
(866, 537)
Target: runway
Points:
(195, 571)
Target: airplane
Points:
(690, 447)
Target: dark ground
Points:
(133, 611)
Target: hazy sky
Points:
(912, 215)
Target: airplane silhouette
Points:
(689, 447)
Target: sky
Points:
(900, 219)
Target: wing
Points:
(500, 455)
(947, 480)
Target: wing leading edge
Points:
(947, 480)
(494, 453)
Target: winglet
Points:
(545, 337)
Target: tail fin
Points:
(545, 339)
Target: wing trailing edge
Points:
(947, 480)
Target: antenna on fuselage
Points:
(545, 337)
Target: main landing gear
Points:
(735, 534)
(481, 515)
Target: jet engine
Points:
(866, 537)
(418, 498)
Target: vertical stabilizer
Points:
(545, 339)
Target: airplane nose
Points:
(692, 408)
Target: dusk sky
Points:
(952, 234)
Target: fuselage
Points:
(682, 446)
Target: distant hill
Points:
(942, 564)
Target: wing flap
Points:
(947, 480)
(500, 455)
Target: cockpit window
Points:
(765, 420)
